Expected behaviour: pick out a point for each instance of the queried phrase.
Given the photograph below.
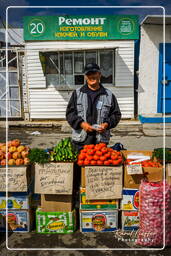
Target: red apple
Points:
(3, 148)
(12, 149)
(8, 155)
(9, 144)
(19, 161)
(26, 161)
(16, 155)
(2, 155)
(20, 148)
(11, 162)
(15, 143)
(3, 162)
(24, 154)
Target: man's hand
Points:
(102, 127)
(87, 127)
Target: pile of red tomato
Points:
(146, 163)
(99, 154)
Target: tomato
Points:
(106, 162)
(102, 145)
(114, 156)
(93, 162)
(90, 151)
(85, 147)
(86, 162)
(119, 161)
(102, 158)
(83, 151)
(107, 155)
(80, 162)
(89, 158)
(99, 153)
(99, 162)
(82, 156)
(110, 161)
(97, 147)
(115, 162)
(91, 146)
(110, 149)
(104, 150)
(96, 157)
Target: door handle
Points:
(166, 82)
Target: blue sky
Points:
(16, 15)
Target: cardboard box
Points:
(137, 152)
(19, 178)
(55, 222)
(130, 220)
(98, 221)
(18, 221)
(152, 174)
(96, 204)
(130, 199)
(56, 203)
(16, 201)
(105, 182)
(54, 178)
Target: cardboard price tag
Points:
(169, 170)
(134, 169)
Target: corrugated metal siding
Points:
(51, 103)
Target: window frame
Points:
(74, 86)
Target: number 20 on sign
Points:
(36, 27)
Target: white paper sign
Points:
(134, 169)
(17, 179)
(54, 178)
(168, 169)
(103, 182)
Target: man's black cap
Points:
(91, 67)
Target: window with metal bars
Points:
(67, 68)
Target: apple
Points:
(12, 149)
(11, 162)
(26, 161)
(15, 142)
(3, 148)
(19, 161)
(3, 162)
(9, 144)
(16, 155)
(20, 148)
(1, 145)
(2, 155)
(24, 154)
(8, 155)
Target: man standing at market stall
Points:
(92, 110)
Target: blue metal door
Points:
(164, 80)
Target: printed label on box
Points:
(130, 220)
(96, 204)
(130, 200)
(15, 202)
(98, 221)
(18, 221)
(55, 222)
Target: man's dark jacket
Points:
(71, 112)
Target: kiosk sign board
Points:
(86, 27)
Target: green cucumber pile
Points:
(64, 151)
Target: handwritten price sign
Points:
(134, 169)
